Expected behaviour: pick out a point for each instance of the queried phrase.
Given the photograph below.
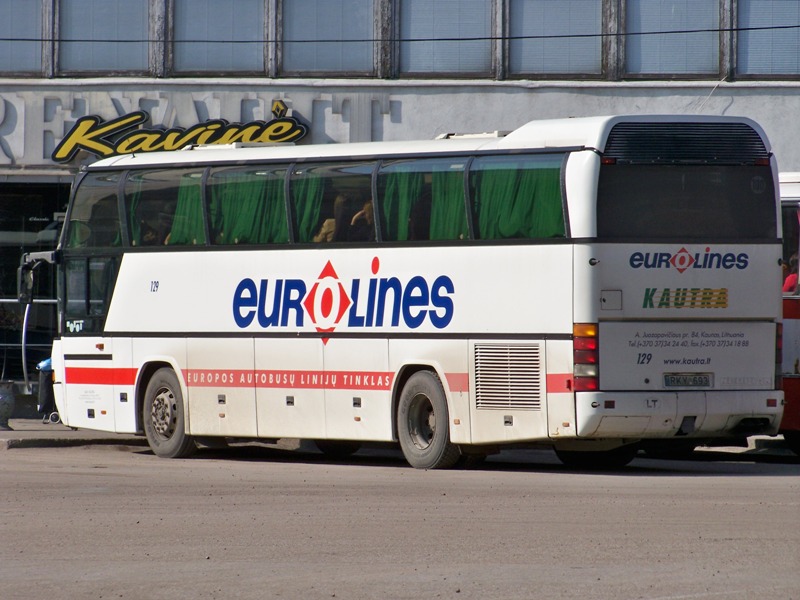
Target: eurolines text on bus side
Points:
(327, 303)
(683, 260)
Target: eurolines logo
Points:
(684, 260)
(330, 302)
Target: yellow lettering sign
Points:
(114, 137)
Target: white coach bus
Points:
(581, 283)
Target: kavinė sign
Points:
(122, 135)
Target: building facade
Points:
(86, 78)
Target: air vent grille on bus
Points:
(508, 376)
(701, 142)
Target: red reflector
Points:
(586, 384)
(607, 160)
(585, 357)
(772, 402)
(584, 343)
(762, 162)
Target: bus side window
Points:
(517, 197)
(165, 207)
(448, 213)
(419, 220)
(307, 190)
(422, 200)
(187, 227)
(105, 223)
(327, 198)
(336, 228)
(247, 206)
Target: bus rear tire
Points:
(423, 424)
(163, 417)
(598, 460)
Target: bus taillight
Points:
(585, 357)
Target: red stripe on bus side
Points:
(294, 379)
(457, 382)
(559, 383)
(100, 376)
(334, 380)
(791, 307)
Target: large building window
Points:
(765, 45)
(555, 36)
(328, 36)
(210, 36)
(103, 35)
(672, 37)
(219, 36)
(20, 36)
(445, 36)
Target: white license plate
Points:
(688, 380)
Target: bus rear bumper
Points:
(688, 414)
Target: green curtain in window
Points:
(187, 225)
(236, 204)
(548, 210)
(276, 225)
(403, 190)
(496, 189)
(307, 195)
(524, 203)
(248, 209)
(448, 214)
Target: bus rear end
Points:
(678, 293)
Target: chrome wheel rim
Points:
(164, 413)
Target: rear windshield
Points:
(686, 202)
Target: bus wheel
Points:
(422, 424)
(164, 423)
(337, 448)
(596, 460)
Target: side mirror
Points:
(25, 278)
(25, 283)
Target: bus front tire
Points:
(423, 424)
(163, 417)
